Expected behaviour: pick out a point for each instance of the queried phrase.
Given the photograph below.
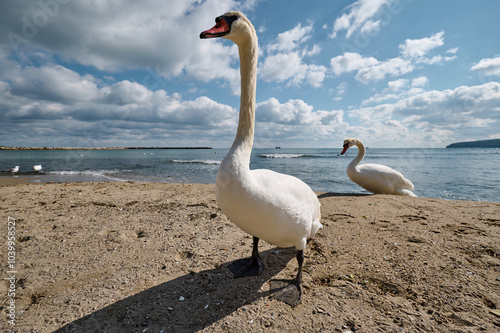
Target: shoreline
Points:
(13, 180)
(43, 178)
(119, 256)
(53, 179)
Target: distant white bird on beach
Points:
(375, 178)
(278, 208)
(12, 170)
(37, 167)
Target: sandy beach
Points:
(136, 257)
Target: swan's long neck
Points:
(242, 145)
(361, 154)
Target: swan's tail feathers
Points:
(316, 225)
(406, 192)
(409, 184)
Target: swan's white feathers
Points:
(278, 208)
(240, 27)
(376, 178)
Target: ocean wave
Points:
(282, 155)
(298, 155)
(208, 162)
(93, 173)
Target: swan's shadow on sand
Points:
(331, 194)
(209, 296)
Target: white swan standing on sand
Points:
(12, 170)
(278, 208)
(375, 178)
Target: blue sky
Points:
(394, 73)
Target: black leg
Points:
(291, 293)
(300, 260)
(255, 248)
(248, 267)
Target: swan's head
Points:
(233, 26)
(348, 143)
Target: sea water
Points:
(455, 174)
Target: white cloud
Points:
(214, 62)
(349, 62)
(368, 68)
(291, 39)
(51, 82)
(316, 49)
(371, 27)
(315, 75)
(430, 61)
(285, 59)
(296, 112)
(39, 92)
(417, 48)
(488, 66)
(392, 67)
(282, 66)
(398, 89)
(202, 112)
(127, 111)
(419, 81)
(397, 85)
(341, 88)
(292, 112)
(413, 52)
(449, 113)
(296, 121)
(123, 93)
(360, 17)
(121, 35)
(75, 108)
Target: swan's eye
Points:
(230, 19)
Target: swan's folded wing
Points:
(288, 191)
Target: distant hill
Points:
(476, 144)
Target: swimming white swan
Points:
(278, 208)
(375, 178)
(37, 167)
(12, 170)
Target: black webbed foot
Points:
(248, 267)
(287, 291)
